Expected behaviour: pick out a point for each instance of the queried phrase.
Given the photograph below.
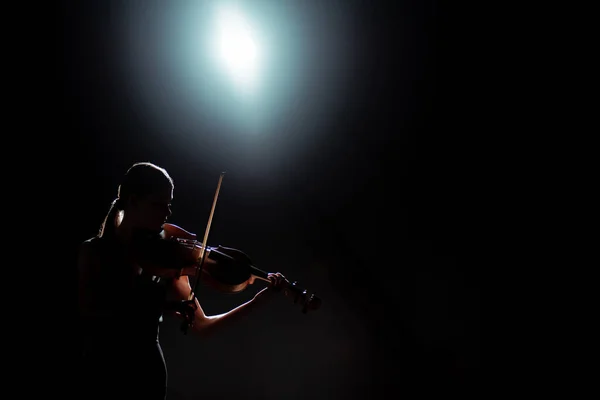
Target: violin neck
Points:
(259, 274)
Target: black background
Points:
(369, 215)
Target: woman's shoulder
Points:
(89, 245)
(92, 242)
(93, 246)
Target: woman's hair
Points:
(141, 179)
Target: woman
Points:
(121, 305)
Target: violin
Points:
(176, 252)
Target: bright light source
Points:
(236, 47)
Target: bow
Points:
(190, 304)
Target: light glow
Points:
(237, 48)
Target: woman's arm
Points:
(206, 325)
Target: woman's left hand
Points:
(277, 283)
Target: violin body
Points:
(227, 269)
(232, 272)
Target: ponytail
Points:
(108, 227)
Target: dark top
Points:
(121, 352)
(130, 301)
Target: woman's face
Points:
(151, 212)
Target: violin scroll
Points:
(300, 295)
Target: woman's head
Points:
(144, 196)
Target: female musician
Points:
(121, 305)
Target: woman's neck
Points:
(124, 231)
(127, 232)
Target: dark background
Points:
(364, 207)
